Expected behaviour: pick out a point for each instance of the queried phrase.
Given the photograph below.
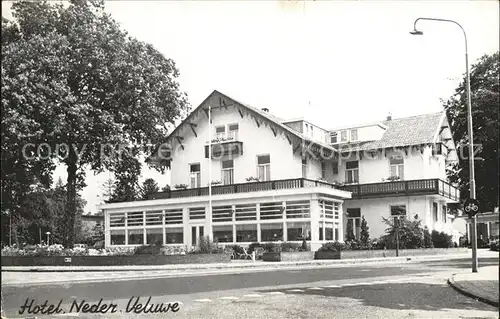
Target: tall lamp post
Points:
(472, 181)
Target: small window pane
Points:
(195, 168)
(263, 159)
(233, 127)
(227, 164)
(351, 165)
(398, 210)
(343, 136)
(395, 160)
(220, 129)
(353, 212)
(354, 135)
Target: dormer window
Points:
(354, 135)
(220, 132)
(343, 136)
(333, 138)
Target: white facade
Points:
(293, 177)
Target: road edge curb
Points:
(454, 285)
(271, 265)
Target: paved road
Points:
(394, 291)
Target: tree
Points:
(364, 234)
(127, 173)
(409, 232)
(108, 189)
(150, 186)
(166, 188)
(79, 87)
(349, 231)
(485, 90)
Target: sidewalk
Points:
(236, 264)
(482, 285)
(29, 276)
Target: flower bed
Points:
(114, 260)
(56, 255)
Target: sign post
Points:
(471, 207)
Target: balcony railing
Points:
(403, 188)
(243, 188)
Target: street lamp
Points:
(48, 234)
(472, 181)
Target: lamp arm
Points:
(444, 20)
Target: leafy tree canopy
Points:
(485, 101)
(74, 84)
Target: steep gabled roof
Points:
(223, 100)
(408, 131)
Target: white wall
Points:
(256, 141)
(373, 169)
(375, 209)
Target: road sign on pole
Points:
(471, 207)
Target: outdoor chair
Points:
(245, 255)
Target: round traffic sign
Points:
(471, 206)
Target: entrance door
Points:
(196, 233)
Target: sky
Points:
(335, 63)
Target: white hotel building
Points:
(311, 181)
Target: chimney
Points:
(265, 109)
(389, 117)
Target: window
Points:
(246, 233)
(298, 231)
(307, 129)
(335, 168)
(304, 167)
(312, 133)
(227, 172)
(327, 228)
(343, 136)
(220, 131)
(323, 170)
(444, 213)
(354, 135)
(396, 166)
(223, 233)
(398, 212)
(196, 213)
(117, 237)
(333, 138)
(351, 172)
(435, 211)
(195, 175)
(136, 237)
(233, 132)
(354, 219)
(174, 235)
(271, 232)
(264, 167)
(154, 236)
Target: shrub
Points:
(349, 232)
(272, 248)
(365, 234)
(332, 246)
(291, 247)
(237, 249)
(252, 247)
(494, 245)
(441, 239)
(304, 246)
(409, 232)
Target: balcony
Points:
(244, 188)
(225, 146)
(403, 188)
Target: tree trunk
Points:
(69, 235)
